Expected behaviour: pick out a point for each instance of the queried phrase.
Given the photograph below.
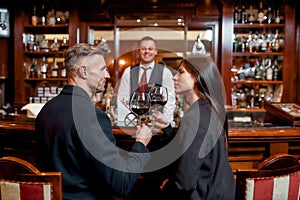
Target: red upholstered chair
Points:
(273, 183)
(21, 180)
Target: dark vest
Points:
(155, 78)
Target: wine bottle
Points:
(236, 15)
(260, 14)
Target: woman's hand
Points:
(143, 134)
(159, 120)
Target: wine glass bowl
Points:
(139, 104)
(158, 95)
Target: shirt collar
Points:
(151, 66)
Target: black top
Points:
(71, 141)
(192, 176)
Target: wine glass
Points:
(139, 104)
(158, 95)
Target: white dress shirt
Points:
(167, 81)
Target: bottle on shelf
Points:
(44, 68)
(63, 71)
(243, 44)
(54, 69)
(269, 70)
(235, 43)
(243, 15)
(51, 17)
(277, 17)
(251, 17)
(252, 98)
(264, 43)
(236, 15)
(269, 16)
(64, 45)
(249, 43)
(44, 46)
(258, 71)
(33, 68)
(256, 42)
(43, 15)
(263, 69)
(34, 18)
(260, 14)
(31, 43)
(276, 42)
(55, 45)
(276, 71)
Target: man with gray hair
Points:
(76, 138)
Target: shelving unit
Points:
(34, 84)
(286, 56)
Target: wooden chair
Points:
(277, 178)
(21, 180)
(278, 161)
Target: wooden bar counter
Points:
(247, 145)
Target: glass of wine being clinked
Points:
(139, 104)
(158, 96)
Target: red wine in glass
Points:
(139, 104)
(158, 95)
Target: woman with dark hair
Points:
(202, 170)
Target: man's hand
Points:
(143, 134)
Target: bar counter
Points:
(247, 145)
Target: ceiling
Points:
(109, 10)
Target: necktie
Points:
(143, 82)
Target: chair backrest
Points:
(21, 180)
(275, 184)
(278, 161)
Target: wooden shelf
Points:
(49, 29)
(37, 54)
(256, 82)
(46, 79)
(258, 25)
(236, 54)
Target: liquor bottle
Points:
(43, 16)
(33, 68)
(249, 43)
(275, 71)
(258, 71)
(63, 71)
(236, 15)
(251, 17)
(31, 43)
(256, 42)
(264, 44)
(44, 44)
(243, 15)
(252, 98)
(263, 69)
(260, 14)
(64, 45)
(277, 17)
(269, 16)
(55, 45)
(276, 42)
(34, 18)
(44, 68)
(269, 70)
(235, 43)
(54, 69)
(51, 18)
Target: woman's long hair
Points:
(210, 85)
